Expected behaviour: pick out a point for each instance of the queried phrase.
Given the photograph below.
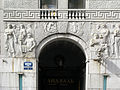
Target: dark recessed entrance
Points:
(61, 67)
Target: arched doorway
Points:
(61, 66)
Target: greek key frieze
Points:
(62, 15)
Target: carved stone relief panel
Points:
(19, 38)
(115, 37)
(62, 27)
(50, 27)
(76, 28)
(100, 40)
(106, 36)
(73, 27)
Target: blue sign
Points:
(28, 65)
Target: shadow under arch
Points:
(63, 36)
(60, 56)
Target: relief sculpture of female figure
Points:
(10, 40)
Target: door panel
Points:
(60, 79)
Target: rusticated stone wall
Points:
(104, 4)
(26, 4)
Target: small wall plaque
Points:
(28, 66)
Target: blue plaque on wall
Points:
(28, 65)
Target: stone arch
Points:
(68, 37)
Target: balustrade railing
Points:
(61, 15)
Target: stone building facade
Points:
(27, 32)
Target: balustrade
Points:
(61, 15)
